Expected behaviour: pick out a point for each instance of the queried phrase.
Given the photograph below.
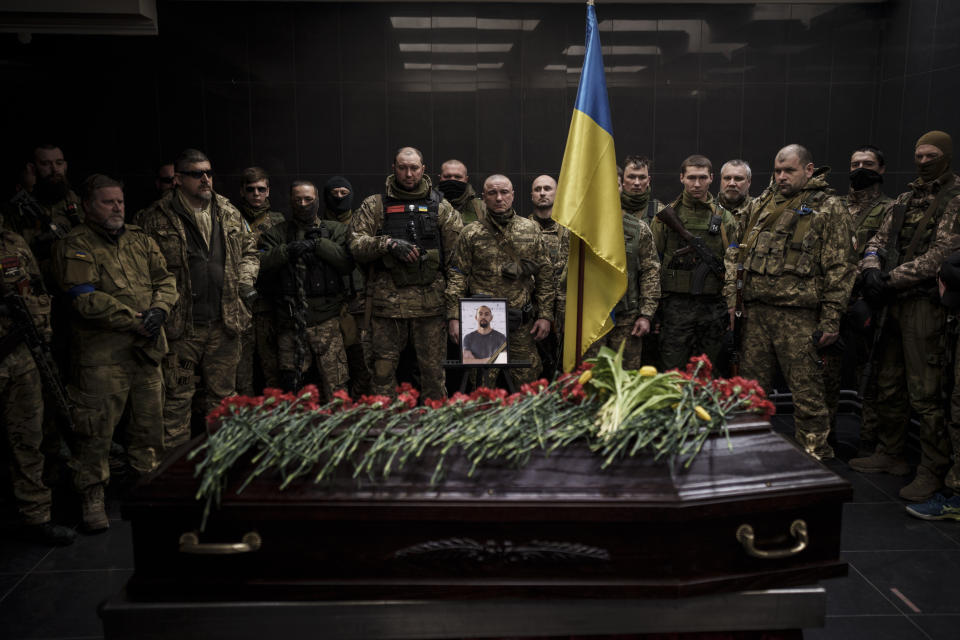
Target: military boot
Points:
(94, 513)
(923, 486)
(881, 463)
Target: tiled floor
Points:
(903, 584)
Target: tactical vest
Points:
(910, 229)
(320, 280)
(677, 272)
(417, 222)
(206, 269)
(630, 302)
(868, 226)
(790, 245)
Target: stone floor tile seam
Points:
(13, 587)
(892, 600)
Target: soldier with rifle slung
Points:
(898, 272)
(795, 281)
(24, 324)
(691, 236)
(305, 260)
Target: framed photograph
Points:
(483, 331)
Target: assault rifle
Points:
(709, 263)
(23, 330)
(737, 324)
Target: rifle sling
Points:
(866, 212)
(937, 203)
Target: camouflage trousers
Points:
(100, 394)
(832, 380)
(773, 335)
(909, 376)
(258, 345)
(632, 348)
(691, 325)
(391, 336)
(953, 428)
(21, 409)
(322, 343)
(521, 347)
(356, 342)
(208, 357)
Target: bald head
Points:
(498, 193)
(408, 168)
(453, 170)
(792, 168)
(543, 193)
(800, 151)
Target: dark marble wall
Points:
(318, 89)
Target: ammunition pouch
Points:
(510, 271)
(516, 318)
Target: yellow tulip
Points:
(648, 371)
(585, 377)
(702, 413)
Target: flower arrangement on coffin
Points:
(616, 412)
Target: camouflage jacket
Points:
(109, 280)
(260, 220)
(556, 238)
(469, 206)
(643, 273)
(866, 209)
(939, 239)
(369, 246)
(20, 271)
(796, 253)
(487, 255)
(165, 224)
(738, 210)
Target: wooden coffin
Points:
(561, 527)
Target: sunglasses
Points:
(196, 175)
(255, 189)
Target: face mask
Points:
(930, 171)
(863, 178)
(452, 189)
(306, 213)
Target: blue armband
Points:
(79, 290)
(869, 253)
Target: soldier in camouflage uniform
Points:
(407, 235)
(693, 321)
(120, 292)
(338, 205)
(305, 260)
(949, 289)
(455, 186)
(213, 255)
(912, 344)
(634, 312)
(503, 256)
(556, 239)
(21, 398)
(865, 205)
(635, 195)
(260, 337)
(795, 252)
(734, 196)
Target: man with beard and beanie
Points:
(259, 340)
(455, 186)
(502, 255)
(407, 236)
(21, 395)
(120, 292)
(734, 196)
(50, 210)
(338, 201)
(694, 313)
(556, 238)
(213, 255)
(898, 271)
(865, 205)
(305, 261)
(940, 507)
(796, 278)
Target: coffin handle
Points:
(798, 529)
(190, 543)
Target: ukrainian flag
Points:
(588, 204)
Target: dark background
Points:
(311, 90)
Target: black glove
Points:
(399, 249)
(153, 319)
(297, 248)
(248, 293)
(876, 286)
(835, 348)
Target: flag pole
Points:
(580, 260)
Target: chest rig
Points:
(680, 260)
(319, 279)
(787, 243)
(416, 222)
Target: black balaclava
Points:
(334, 204)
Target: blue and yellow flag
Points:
(588, 203)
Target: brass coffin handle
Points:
(190, 543)
(798, 529)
